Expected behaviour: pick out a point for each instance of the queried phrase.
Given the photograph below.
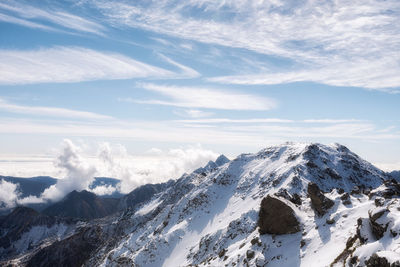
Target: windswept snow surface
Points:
(210, 218)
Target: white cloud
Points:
(8, 194)
(78, 172)
(103, 190)
(342, 43)
(193, 113)
(60, 18)
(50, 111)
(71, 64)
(196, 97)
(388, 166)
(330, 121)
(23, 22)
(246, 121)
(251, 135)
(159, 167)
(186, 72)
(381, 74)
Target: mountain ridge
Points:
(213, 218)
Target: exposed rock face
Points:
(276, 217)
(320, 203)
(378, 228)
(72, 251)
(20, 221)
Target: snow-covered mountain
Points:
(290, 205)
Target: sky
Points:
(152, 89)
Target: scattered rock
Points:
(333, 174)
(222, 253)
(250, 254)
(345, 199)
(367, 191)
(124, 262)
(311, 164)
(296, 199)
(255, 241)
(276, 217)
(379, 202)
(356, 190)
(353, 260)
(376, 261)
(378, 229)
(345, 196)
(330, 221)
(320, 203)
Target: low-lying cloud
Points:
(8, 194)
(77, 168)
(79, 173)
(157, 166)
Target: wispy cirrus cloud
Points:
(268, 120)
(185, 71)
(50, 111)
(71, 64)
(197, 97)
(338, 43)
(24, 22)
(29, 16)
(182, 132)
(237, 121)
(382, 74)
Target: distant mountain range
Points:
(294, 204)
(83, 205)
(33, 186)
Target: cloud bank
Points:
(77, 169)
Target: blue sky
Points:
(222, 76)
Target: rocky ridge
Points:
(343, 212)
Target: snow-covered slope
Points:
(211, 218)
(346, 210)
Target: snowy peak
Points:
(221, 160)
(211, 165)
(211, 217)
(294, 165)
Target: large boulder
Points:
(276, 217)
(319, 202)
(378, 222)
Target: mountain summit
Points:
(295, 204)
